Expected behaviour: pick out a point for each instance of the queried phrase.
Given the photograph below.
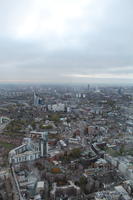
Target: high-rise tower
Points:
(36, 100)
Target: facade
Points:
(37, 100)
(60, 107)
(123, 164)
(33, 147)
(63, 190)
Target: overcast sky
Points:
(66, 41)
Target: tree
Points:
(55, 117)
(75, 153)
(122, 149)
(56, 170)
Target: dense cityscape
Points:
(66, 100)
(66, 142)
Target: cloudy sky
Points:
(66, 41)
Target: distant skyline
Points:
(66, 41)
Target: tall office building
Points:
(36, 100)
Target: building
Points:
(40, 186)
(69, 189)
(33, 147)
(122, 192)
(37, 100)
(107, 195)
(60, 107)
(101, 163)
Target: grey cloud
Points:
(107, 48)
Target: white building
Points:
(123, 164)
(57, 107)
(40, 186)
(122, 192)
(34, 147)
(62, 143)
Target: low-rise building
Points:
(69, 189)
